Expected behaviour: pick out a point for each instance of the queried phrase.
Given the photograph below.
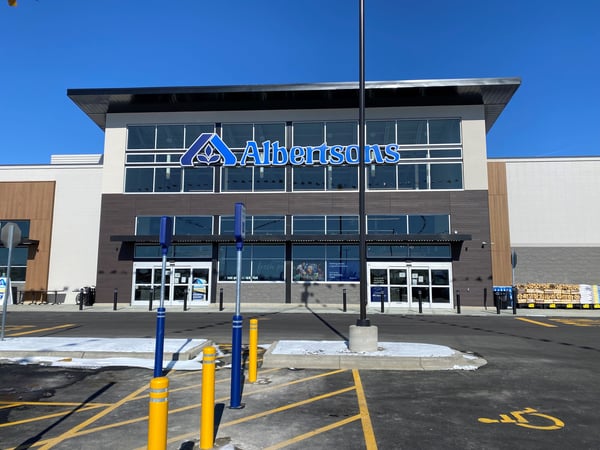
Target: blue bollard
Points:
(236, 363)
(160, 341)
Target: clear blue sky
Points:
(49, 46)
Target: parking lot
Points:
(537, 391)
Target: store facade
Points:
(290, 154)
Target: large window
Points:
(408, 224)
(324, 225)
(259, 262)
(18, 263)
(406, 251)
(249, 178)
(182, 225)
(255, 225)
(325, 263)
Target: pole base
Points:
(363, 323)
(363, 338)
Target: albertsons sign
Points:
(210, 149)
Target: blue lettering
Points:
(297, 155)
(392, 155)
(280, 155)
(373, 152)
(251, 151)
(336, 155)
(352, 154)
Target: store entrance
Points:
(403, 284)
(183, 281)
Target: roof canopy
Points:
(493, 93)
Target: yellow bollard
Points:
(253, 351)
(158, 413)
(207, 416)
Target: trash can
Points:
(503, 296)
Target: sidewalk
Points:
(353, 309)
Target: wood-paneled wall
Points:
(499, 224)
(33, 201)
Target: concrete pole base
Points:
(363, 339)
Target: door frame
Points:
(197, 293)
(409, 267)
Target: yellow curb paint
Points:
(535, 322)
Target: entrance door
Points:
(401, 284)
(183, 281)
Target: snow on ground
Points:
(393, 349)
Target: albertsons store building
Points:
(441, 218)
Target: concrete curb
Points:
(365, 361)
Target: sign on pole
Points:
(11, 237)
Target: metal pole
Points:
(81, 299)
(221, 299)
(362, 321)
(8, 284)
(160, 320)
(420, 302)
(458, 301)
(236, 341)
(344, 303)
(115, 298)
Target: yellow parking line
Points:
(535, 322)
(73, 431)
(313, 433)
(48, 416)
(364, 413)
(38, 330)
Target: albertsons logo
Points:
(209, 149)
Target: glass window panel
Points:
(193, 251)
(430, 251)
(133, 158)
(268, 262)
(446, 176)
(227, 225)
(169, 136)
(381, 177)
(453, 153)
(168, 158)
(428, 224)
(198, 179)
(274, 132)
(308, 225)
(147, 225)
(309, 133)
(378, 224)
(139, 179)
(168, 179)
(341, 252)
(193, 225)
(440, 277)
(18, 257)
(444, 131)
(411, 132)
(341, 133)
(398, 276)
(193, 131)
(412, 176)
(308, 262)
(147, 251)
(381, 132)
(413, 154)
(17, 273)
(228, 263)
(309, 178)
(234, 179)
(268, 225)
(235, 135)
(22, 224)
(139, 137)
(342, 225)
(341, 178)
(269, 179)
(440, 295)
(309, 251)
(387, 251)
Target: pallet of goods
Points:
(558, 295)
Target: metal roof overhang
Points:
(339, 239)
(493, 93)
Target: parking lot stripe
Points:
(313, 433)
(535, 322)
(39, 330)
(364, 413)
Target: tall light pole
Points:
(362, 218)
(362, 336)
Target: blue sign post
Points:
(166, 231)
(236, 341)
